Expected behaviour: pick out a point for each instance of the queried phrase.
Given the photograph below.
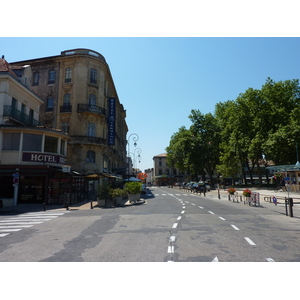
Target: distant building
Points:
(165, 174)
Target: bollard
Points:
(44, 206)
(219, 194)
(286, 203)
(291, 206)
(91, 204)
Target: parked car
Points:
(207, 185)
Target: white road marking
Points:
(21, 222)
(250, 241)
(187, 202)
(215, 259)
(170, 249)
(174, 225)
(172, 239)
(15, 226)
(10, 230)
(178, 218)
(234, 227)
(211, 212)
(222, 218)
(270, 259)
(193, 204)
(183, 207)
(183, 212)
(200, 207)
(3, 234)
(164, 194)
(156, 194)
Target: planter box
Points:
(101, 202)
(133, 197)
(119, 200)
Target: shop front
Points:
(40, 184)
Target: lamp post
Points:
(135, 137)
(136, 158)
(66, 169)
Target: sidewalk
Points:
(24, 208)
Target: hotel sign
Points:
(43, 158)
(111, 120)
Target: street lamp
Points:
(66, 169)
(135, 137)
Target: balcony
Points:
(19, 116)
(80, 139)
(65, 109)
(91, 109)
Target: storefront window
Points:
(50, 144)
(11, 141)
(32, 142)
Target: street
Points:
(172, 226)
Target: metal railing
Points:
(17, 115)
(91, 109)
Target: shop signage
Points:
(43, 158)
(111, 120)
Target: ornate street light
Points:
(135, 138)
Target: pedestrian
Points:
(275, 200)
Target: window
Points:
(66, 100)
(90, 157)
(11, 141)
(36, 78)
(62, 147)
(50, 144)
(65, 127)
(93, 76)
(92, 99)
(50, 104)
(91, 129)
(51, 77)
(32, 142)
(68, 75)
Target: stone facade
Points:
(75, 88)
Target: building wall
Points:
(76, 121)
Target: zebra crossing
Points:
(26, 220)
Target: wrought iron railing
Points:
(17, 115)
(80, 139)
(91, 109)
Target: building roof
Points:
(6, 67)
(161, 155)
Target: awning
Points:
(102, 175)
(163, 176)
(284, 168)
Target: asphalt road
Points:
(172, 226)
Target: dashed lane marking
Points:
(250, 241)
(174, 225)
(234, 227)
(211, 212)
(222, 218)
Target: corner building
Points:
(80, 98)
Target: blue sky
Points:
(160, 80)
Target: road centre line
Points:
(250, 241)
(174, 225)
(270, 259)
(200, 207)
(222, 218)
(211, 212)
(178, 218)
(172, 239)
(234, 227)
(170, 249)
(183, 212)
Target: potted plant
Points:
(103, 193)
(118, 195)
(231, 191)
(134, 190)
(247, 192)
